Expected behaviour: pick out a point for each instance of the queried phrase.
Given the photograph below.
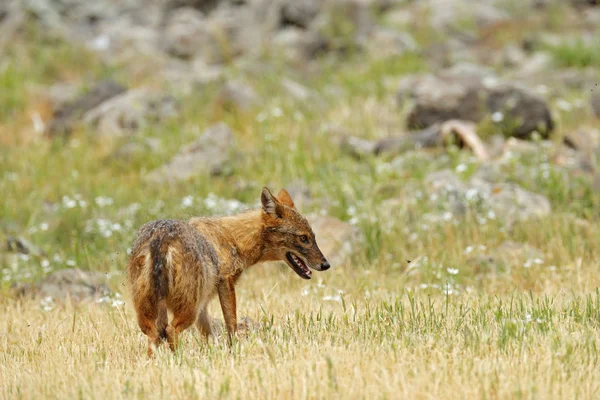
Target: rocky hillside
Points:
(443, 114)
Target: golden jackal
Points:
(180, 266)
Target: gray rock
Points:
(61, 94)
(219, 37)
(344, 24)
(188, 77)
(472, 95)
(206, 6)
(21, 245)
(508, 201)
(384, 43)
(513, 56)
(239, 95)
(128, 112)
(231, 32)
(73, 284)
(134, 149)
(513, 203)
(297, 90)
(209, 154)
(357, 147)
(585, 140)
(300, 194)
(430, 137)
(184, 32)
(505, 257)
(595, 101)
(297, 45)
(445, 15)
(65, 118)
(336, 239)
(300, 13)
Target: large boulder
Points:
(67, 116)
(209, 154)
(473, 95)
(130, 111)
(73, 284)
(184, 32)
(506, 201)
(238, 95)
(300, 13)
(336, 239)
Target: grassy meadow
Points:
(409, 316)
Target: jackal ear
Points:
(284, 198)
(269, 203)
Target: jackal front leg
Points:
(226, 291)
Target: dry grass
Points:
(389, 345)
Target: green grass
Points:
(577, 53)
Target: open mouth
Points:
(298, 266)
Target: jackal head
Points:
(288, 236)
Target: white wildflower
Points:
(497, 117)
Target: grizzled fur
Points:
(181, 266)
(171, 267)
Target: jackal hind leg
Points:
(147, 323)
(183, 318)
(203, 322)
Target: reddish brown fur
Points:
(181, 266)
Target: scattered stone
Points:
(299, 13)
(514, 146)
(513, 203)
(429, 137)
(65, 284)
(434, 136)
(131, 111)
(336, 239)
(246, 325)
(21, 245)
(385, 43)
(209, 154)
(61, 94)
(595, 102)
(586, 140)
(297, 45)
(184, 32)
(513, 56)
(238, 95)
(358, 147)
(300, 193)
(508, 201)
(296, 90)
(539, 62)
(137, 148)
(344, 24)
(504, 258)
(446, 15)
(523, 111)
(65, 118)
(516, 253)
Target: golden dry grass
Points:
(310, 344)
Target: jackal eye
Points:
(304, 239)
